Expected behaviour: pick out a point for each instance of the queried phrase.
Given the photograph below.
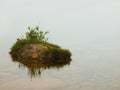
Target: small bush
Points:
(36, 34)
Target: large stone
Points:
(32, 51)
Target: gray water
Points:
(91, 69)
(88, 28)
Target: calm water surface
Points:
(90, 69)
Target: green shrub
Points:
(36, 34)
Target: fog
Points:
(74, 24)
(88, 28)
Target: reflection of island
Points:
(35, 67)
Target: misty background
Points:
(73, 24)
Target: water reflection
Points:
(35, 67)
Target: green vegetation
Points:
(35, 36)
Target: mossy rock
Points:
(39, 51)
(35, 47)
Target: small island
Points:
(35, 46)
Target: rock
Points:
(35, 56)
(45, 53)
(32, 51)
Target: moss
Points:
(57, 54)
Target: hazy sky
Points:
(70, 22)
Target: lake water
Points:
(90, 29)
(90, 69)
